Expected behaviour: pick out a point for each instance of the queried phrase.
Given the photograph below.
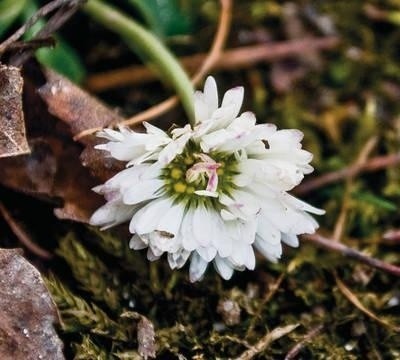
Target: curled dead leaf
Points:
(74, 106)
(53, 172)
(81, 111)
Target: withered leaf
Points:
(53, 171)
(75, 106)
(27, 312)
(12, 127)
(81, 111)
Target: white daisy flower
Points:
(211, 193)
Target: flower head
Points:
(213, 192)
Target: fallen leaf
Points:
(27, 312)
(74, 106)
(12, 127)
(53, 172)
(81, 111)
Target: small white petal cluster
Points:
(213, 192)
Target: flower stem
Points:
(149, 45)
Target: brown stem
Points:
(22, 236)
(243, 57)
(294, 351)
(43, 11)
(359, 305)
(265, 341)
(373, 164)
(31, 44)
(330, 244)
(66, 9)
(266, 299)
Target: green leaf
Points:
(166, 17)
(9, 11)
(63, 59)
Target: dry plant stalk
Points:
(294, 351)
(231, 59)
(374, 164)
(349, 252)
(264, 342)
(23, 236)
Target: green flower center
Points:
(181, 185)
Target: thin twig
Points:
(32, 44)
(163, 107)
(232, 59)
(294, 351)
(359, 305)
(232, 339)
(263, 344)
(330, 244)
(43, 11)
(22, 236)
(65, 10)
(373, 164)
(266, 299)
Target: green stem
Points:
(146, 42)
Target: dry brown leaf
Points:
(53, 171)
(81, 111)
(27, 312)
(12, 127)
(74, 106)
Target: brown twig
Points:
(65, 9)
(159, 109)
(263, 344)
(32, 44)
(359, 305)
(22, 236)
(294, 351)
(266, 299)
(43, 11)
(330, 244)
(373, 164)
(239, 58)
